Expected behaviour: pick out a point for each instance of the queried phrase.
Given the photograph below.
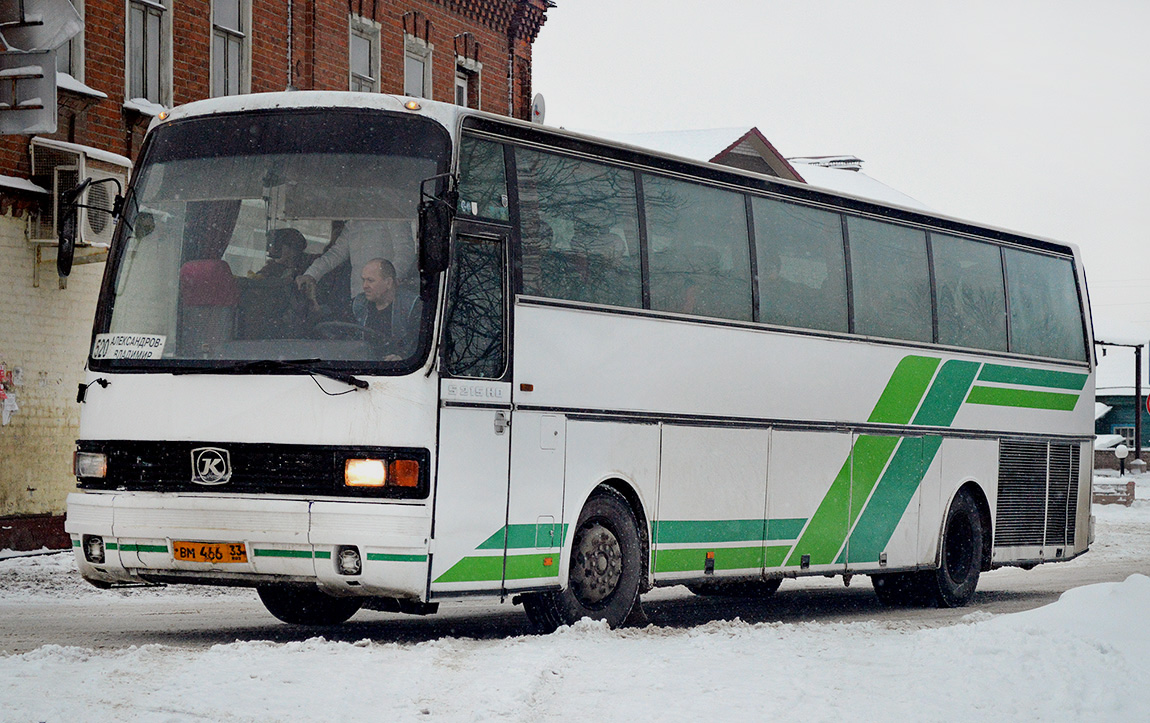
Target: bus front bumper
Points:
(126, 538)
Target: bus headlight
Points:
(364, 473)
(378, 472)
(90, 464)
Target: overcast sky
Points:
(1026, 114)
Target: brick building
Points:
(133, 59)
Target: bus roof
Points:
(451, 116)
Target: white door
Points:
(469, 528)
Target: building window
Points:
(70, 55)
(363, 55)
(461, 88)
(229, 47)
(416, 67)
(1127, 435)
(149, 43)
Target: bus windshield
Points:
(284, 235)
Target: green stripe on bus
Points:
(695, 559)
(519, 537)
(323, 554)
(140, 548)
(1026, 398)
(386, 557)
(946, 394)
(670, 532)
(824, 535)
(785, 529)
(76, 543)
(474, 569)
(114, 546)
(892, 496)
(775, 555)
(904, 391)
(908, 467)
(1032, 377)
(525, 567)
(268, 552)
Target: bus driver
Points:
(386, 309)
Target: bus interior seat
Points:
(209, 295)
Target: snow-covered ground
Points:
(1085, 657)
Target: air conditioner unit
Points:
(59, 167)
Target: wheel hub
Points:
(598, 564)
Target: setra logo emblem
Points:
(211, 466)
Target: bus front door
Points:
(470, 514)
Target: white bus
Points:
(597, 370)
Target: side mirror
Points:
(67, 221)
(436, 213)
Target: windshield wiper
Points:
(259, 365)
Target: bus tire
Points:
(760, 589)
(605, 573)
(307, 605)
(953, 583)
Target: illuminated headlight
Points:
(378, 472)
(94, 549)
(365, 473)
(347, 561)
(90, 464)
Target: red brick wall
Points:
(503, 28)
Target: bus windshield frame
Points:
(246, 204)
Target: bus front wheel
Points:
(307, 605)
(606, 561)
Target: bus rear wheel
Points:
(953, 583)
(307, 605)
(605, 573)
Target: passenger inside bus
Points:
(386, 311)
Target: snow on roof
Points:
(64, 81)
(856, 183)
(1108, 441)
(98, 154)
(20, 184)
(1101, 410)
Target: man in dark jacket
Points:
(387, 312)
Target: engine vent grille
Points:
(1037, 493)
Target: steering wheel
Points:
(333, 330)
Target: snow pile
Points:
(1084, 657)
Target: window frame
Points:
(163, 67)
(649, 163)
(423, 51)
(243, 36)
(359, 26)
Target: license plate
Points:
(209, 551)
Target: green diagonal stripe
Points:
(946, 394)
(904, 390)
(1001, 374)
(524, 537)
(1026, 398)
(474, 569)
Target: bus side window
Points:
(482, 179)
(891, 280)
(579, 230)
(971, 299)
(802, 272)
(474, 335)
(700, 260)
(1045, 317)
